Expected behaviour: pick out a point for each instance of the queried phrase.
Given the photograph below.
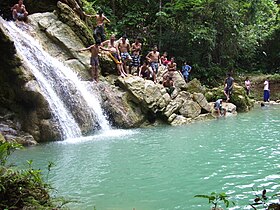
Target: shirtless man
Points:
(145, 71)
(124, 48)
(99, 30)
(169, 85)
(171, 68)
(19, 12)
(94, 61)
(154, 60)
(114, 54)
(135, 50)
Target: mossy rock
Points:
(69, 17)
(238, 97)
(194, 86)
(2, 139)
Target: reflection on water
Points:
(164, 167)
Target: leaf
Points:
(202, 196)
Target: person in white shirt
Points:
(266, 91)
(247, 86)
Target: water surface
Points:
(164, 167)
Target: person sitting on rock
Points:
(114, 54)
(145, 71)
(168, 84)
(19, 12)
(164, 60)
(219, 108)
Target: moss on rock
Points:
(69, 17)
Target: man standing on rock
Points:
(124, 48)
(228, 86)
(153, 58)
(99, 32)
(19, 12)
(135, 50)
(94, 62)
(114, 54)
(266, 91)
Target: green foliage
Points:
(210, 34)
(216, 198)
(6, 149)
(24, 189)
(262, 200)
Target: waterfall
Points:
(71, 103)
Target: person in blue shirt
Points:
(219, 109)
(186, 69)
(229, 82)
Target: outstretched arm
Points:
(85, 14)
(85, 49)
(105, 49)
(105, 18)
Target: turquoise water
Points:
(164, 167)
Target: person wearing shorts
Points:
(94, 62)
(154, 59)
(19, 12)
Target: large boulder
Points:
(121, 110)
(201, 100)
(146, 93)
(190, 109)
(59, 40)
(238, 97)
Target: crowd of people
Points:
(127, 58)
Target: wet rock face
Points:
(22, 108)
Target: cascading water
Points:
(70, 101)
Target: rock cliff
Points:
(128, 102)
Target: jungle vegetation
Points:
(214, 36)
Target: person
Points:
(124, 48)
(168, 84)
(247, 85)
(186, 69)
(164, 60)
(172, 66)
(114, 54)
(135, 50)
(94, 61)
(266, 91)
(19, 11)
(228, 86)
(145, 71)
(219, 108)
(154, 60)
(99, 31)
